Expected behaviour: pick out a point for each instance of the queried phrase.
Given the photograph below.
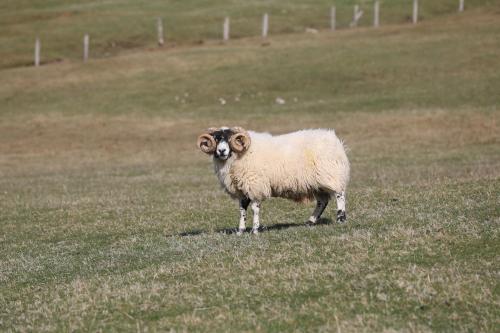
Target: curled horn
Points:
(240, 140)
(206, 141)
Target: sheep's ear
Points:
(240, 141)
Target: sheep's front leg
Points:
(243, 215)
(322, 202)
(341, 215)
(256, 222)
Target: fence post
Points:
(85, 48)
(159, 26)
(37, 52)
(415, 11)
(354, 21)
(376, 14)
(356, 16)
(333, 18)
(226, 29)
(265, 25)
(461, 5)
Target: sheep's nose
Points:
(222, 151)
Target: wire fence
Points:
(358, 14)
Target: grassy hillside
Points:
(111, 220)
(119, 25)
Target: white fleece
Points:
(295, 166)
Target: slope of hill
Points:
(116, 26)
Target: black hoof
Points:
(341, 216)
(309, 223)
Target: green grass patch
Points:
(118, 26)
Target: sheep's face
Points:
(223, 142)
(223, 150)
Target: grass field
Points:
(112, 220)
(116, 26)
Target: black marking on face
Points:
(222, 135)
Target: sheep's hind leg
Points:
(322, 202)
(256, 222)
(243, 215)
(341, 215)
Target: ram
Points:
(302, 166)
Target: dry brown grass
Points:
(58, 141)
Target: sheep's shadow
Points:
(277, 226)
